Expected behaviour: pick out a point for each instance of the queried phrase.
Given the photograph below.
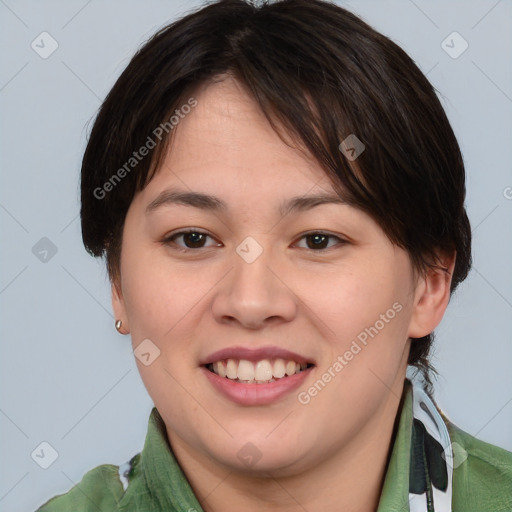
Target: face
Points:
(310, 299)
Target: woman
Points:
(280, 200)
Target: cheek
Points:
(348, 302)
(163, 299)
(367, 312)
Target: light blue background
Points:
(66, 376)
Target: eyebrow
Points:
(212, 203)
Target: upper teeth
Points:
(261, 371)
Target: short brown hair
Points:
(323, 74)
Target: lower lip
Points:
(256, 394)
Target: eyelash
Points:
(170, 240)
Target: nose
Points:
(255, 293)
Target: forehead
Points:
(227, 141)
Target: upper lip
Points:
(254, 355)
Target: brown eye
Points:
(192, 239)
(318, 240)
(195, 239)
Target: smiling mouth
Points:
(260, 372)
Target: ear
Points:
(118, 305)
(431, 297)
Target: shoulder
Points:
(482, 473)
(101, 488)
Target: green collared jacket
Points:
(433, 466)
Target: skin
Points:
(330, 454)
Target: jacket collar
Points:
(418, 477)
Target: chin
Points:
(261, 459)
